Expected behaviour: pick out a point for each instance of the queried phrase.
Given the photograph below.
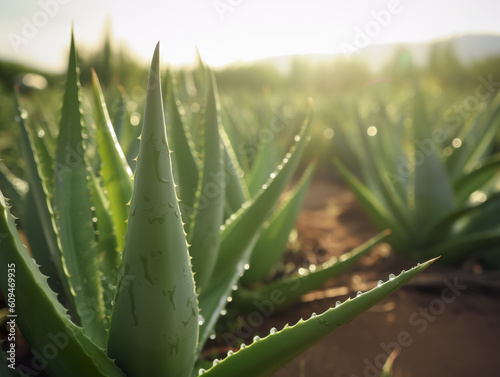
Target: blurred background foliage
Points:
(265, 100)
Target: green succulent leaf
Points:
(476, 179)
(109, 257)
(282, 346)
(264, 163)
(289, 290)
(241, 228)
(15, 187)
(377, 213)
(236, 187)
(210, 197)
(40, 178)
(433, 188)
(76, 354)
(240, 234)
(274, 237)
(72, 208)
(185, 159)
(155, 314)
(115, 171)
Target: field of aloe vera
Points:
(242, 222)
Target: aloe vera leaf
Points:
(476, 140)
(16, 188)
(455, 164)
(185, 158)
(213, 301)
(39, 247)
(458, 220)
(210, 197)
(240, 229)
(485, 217)
(49, 324)
(38, 164)
(378, 182)
(128, 138)
(155, 314)
(292, 288)
(115, 171)
(278, 348)
(264, 163)
(433, 190)
(236, 187)
(201, 74)
(236, 131)
(72, 209)
(486, 139)
(274, 237)
(455, 250)
(377, 213)
(109, 256)
(468, 183)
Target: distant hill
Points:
(468, 49)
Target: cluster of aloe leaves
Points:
(142, 311)
(436, 186)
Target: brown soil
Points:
(454, 335)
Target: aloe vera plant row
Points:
(436, 186)
(150, 309)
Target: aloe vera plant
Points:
(142, 311)
(436, 188)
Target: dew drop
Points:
(380, 282)
(201, 320)
(256, 338)
(273, 330)
(223, 312)
(243, 345)
(313, 314)
(392, 277)
(229, 299)
(296, 138)
(246, 266)
(418, 264)
(103, 277)
(229, 353)
(264, 187)
(234, 287)
(201, 371)
(212, 336)
(359, 293)
(216, 361)
(273, 175)
(337, 303)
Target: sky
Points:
(37, 32)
